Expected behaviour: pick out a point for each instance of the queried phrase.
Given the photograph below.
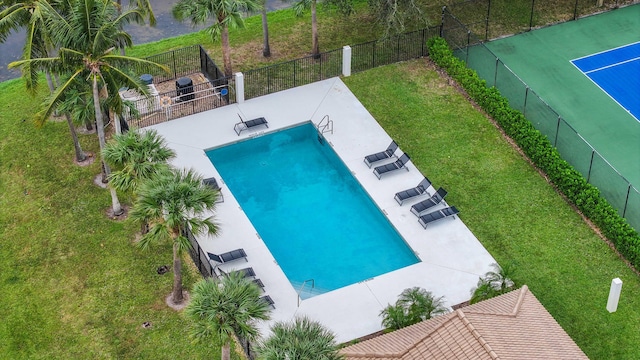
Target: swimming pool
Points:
(309, 210)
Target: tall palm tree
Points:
(68, 107)
(88, 37)
(494, 283)
(225, 14)
(28, 15)
(266, 49)
(138, 156)
(170, 203)
(344, 6)
(413, 305)
(222, 308)
(300, 339)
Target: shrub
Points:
(543, 154)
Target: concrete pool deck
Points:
(451, 257)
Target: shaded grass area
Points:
(73, 283)
(290, 37)
(510, 208)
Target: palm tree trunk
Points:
(226, 51)
(177, 275)
(117, 208)
(80, 155)
(266, 50)
(47, 75)
(314, 30)
(226, 351)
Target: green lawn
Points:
(507, 204)
(75, 286)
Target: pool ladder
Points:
(313, 285)
(325, 126)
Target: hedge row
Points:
(538, 148)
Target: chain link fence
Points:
(469, 47)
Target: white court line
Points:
(606, 92)
(611, 65)
(606, 51)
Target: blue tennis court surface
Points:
(616, 72)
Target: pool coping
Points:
(451, 257)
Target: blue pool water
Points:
(312, 214)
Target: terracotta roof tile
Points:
(511, 326)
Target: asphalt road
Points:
(167, 26)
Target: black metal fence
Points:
(489, 19)
(292, 73)
(173, 104)
(620, 193)
(199, 257)
(402, 47)
(209, 91)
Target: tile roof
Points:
(514, 325)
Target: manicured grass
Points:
(73, 284)
(510, 208)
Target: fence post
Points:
(533, 4)
(624, 211)
(593, 153)
(575, 11)
(346, 60)
(239, 87)
(486, 27)
(466, 59)
(555, 142)
(444, 8)
(175, 71)
(495, 75)
(526, 96)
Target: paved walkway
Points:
(451, 257)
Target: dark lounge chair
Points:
(404, 195)
(426, 219)
(228, 256)
(246, 125)
(267, 299)
(212, 183)
(401, 163)
(427, 204)
(370, 159)
(246, 272)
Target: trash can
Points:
(184, 89)
(147, 79)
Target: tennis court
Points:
(588, 71)
(617, 73)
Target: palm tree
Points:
(413, 305)
(299, 340)
(494, 283)
(28, 15)
(68, 107)
(301, 6)
(171, 203)
(266, 49)
(138, 157)
(222, 308)
(88, 38)
(225, 13)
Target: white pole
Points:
(614, 295)
(346, 60)
(239, 87)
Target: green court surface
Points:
(542, 59)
